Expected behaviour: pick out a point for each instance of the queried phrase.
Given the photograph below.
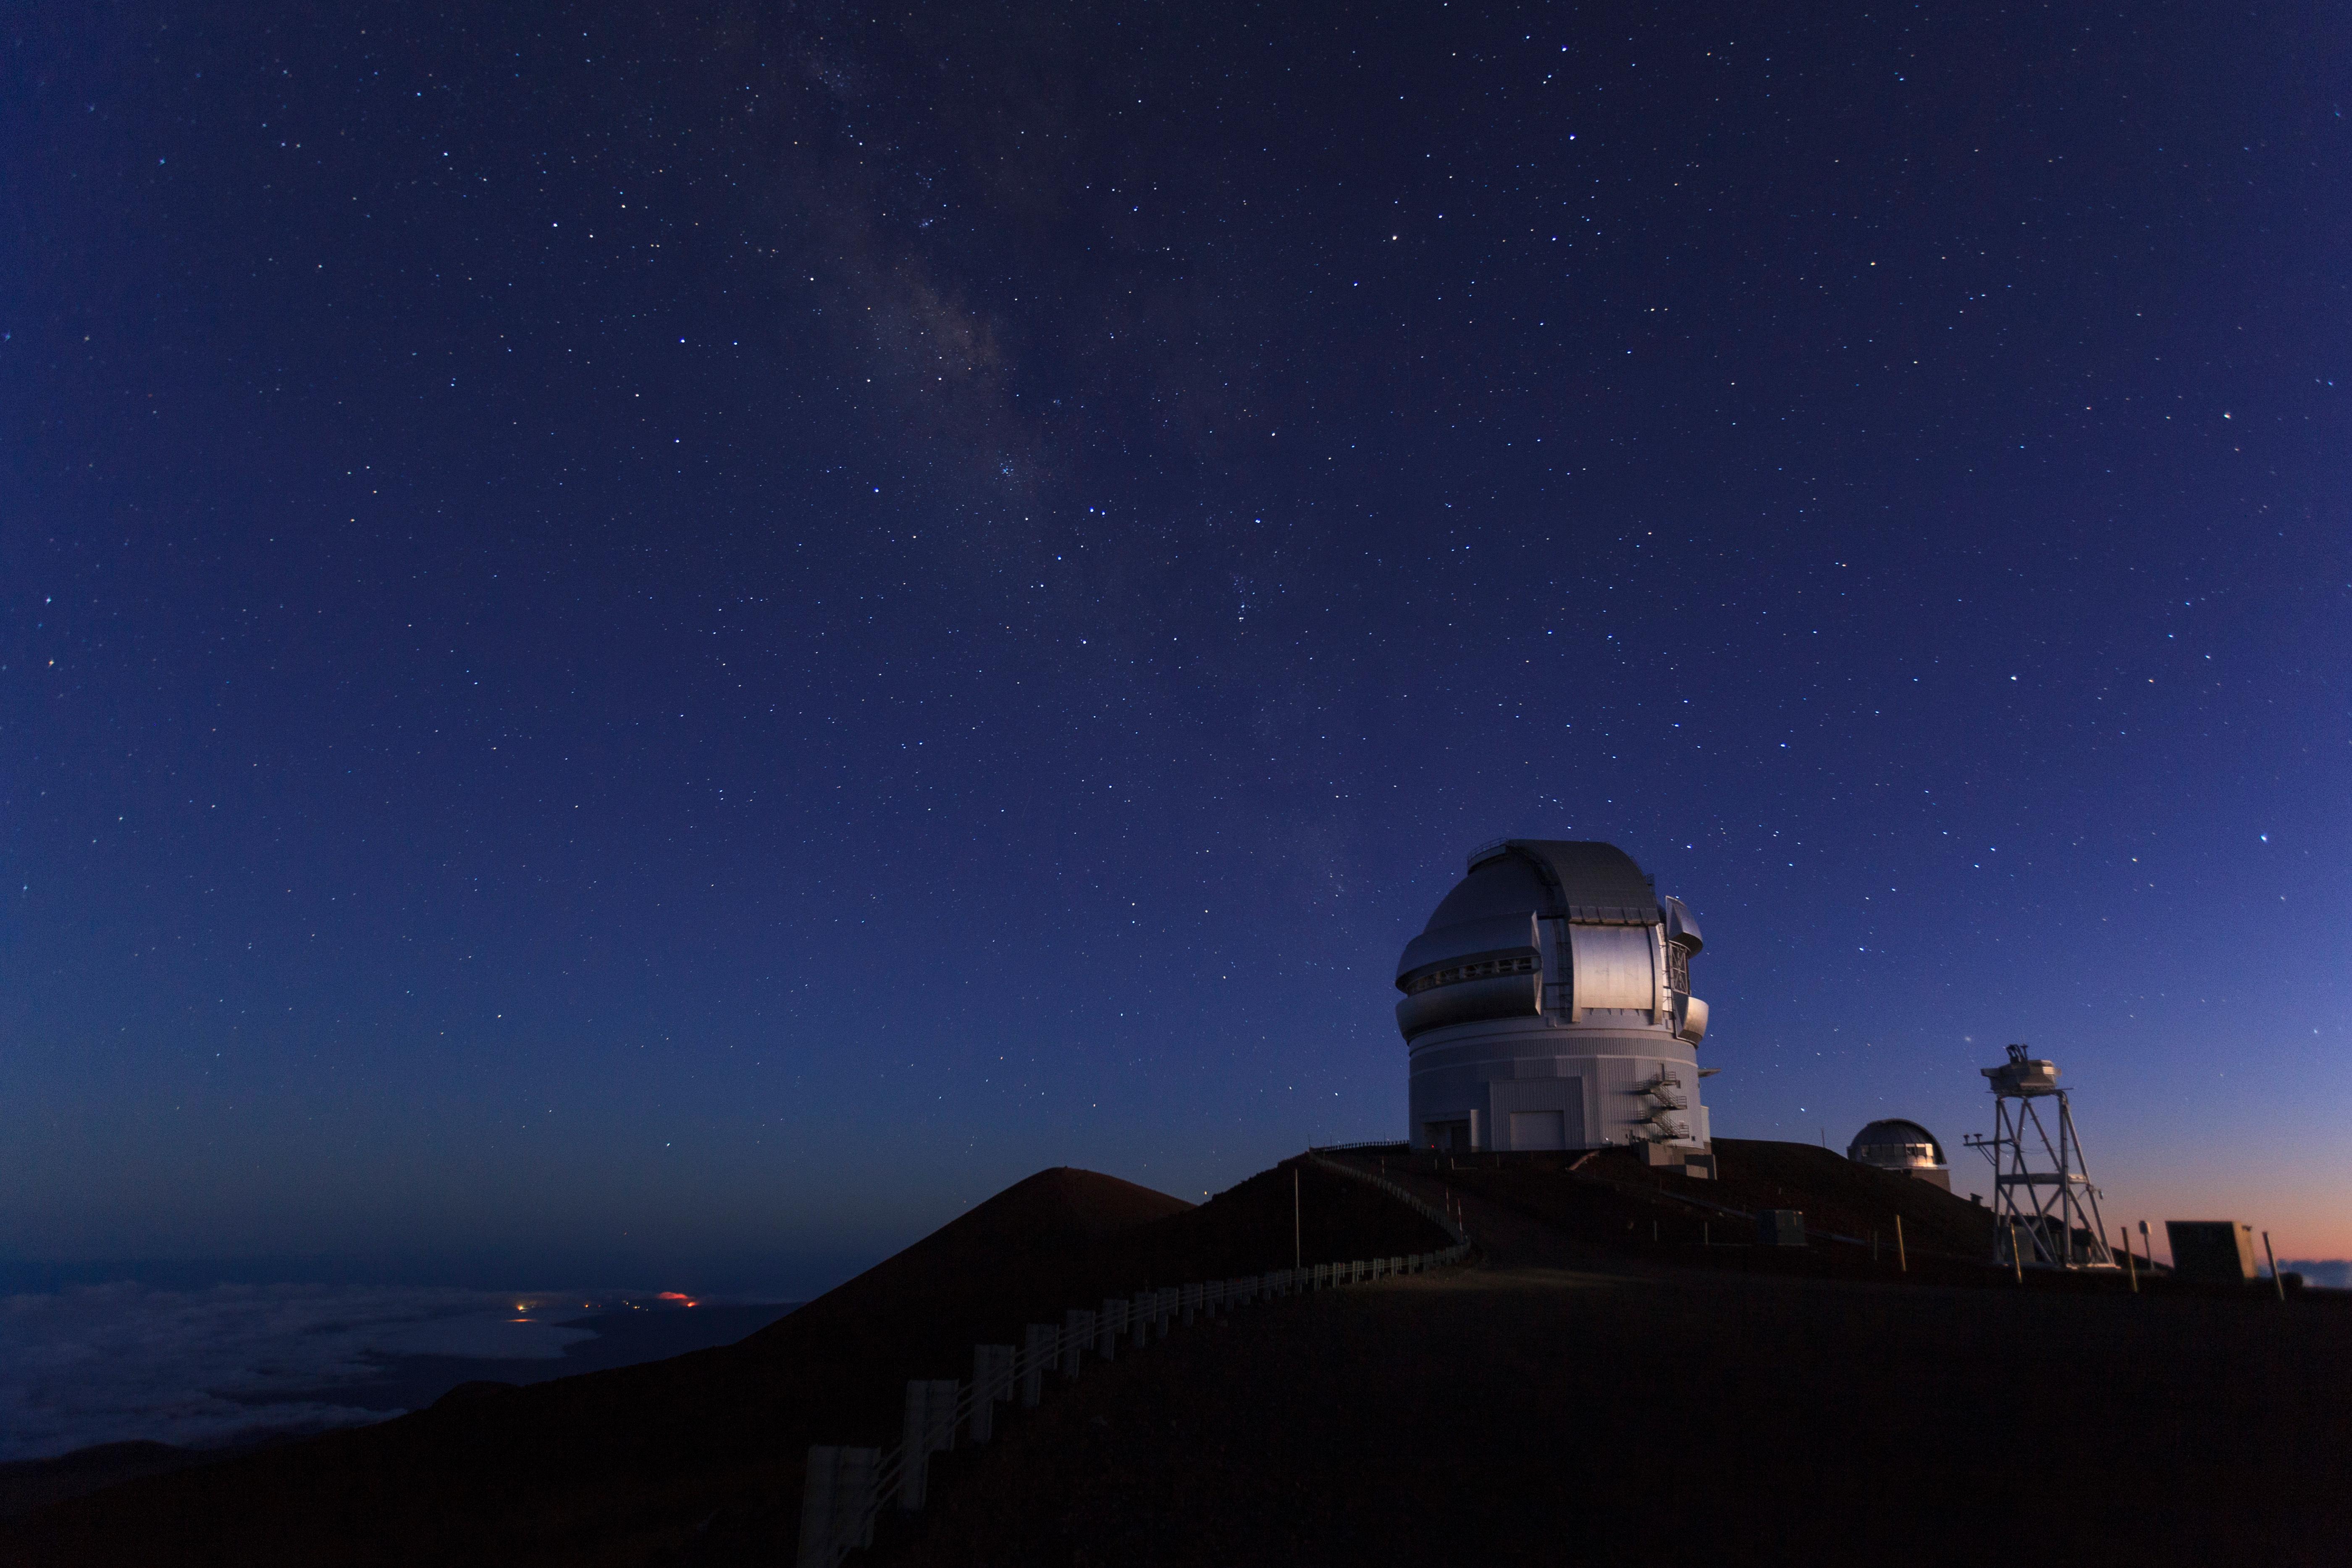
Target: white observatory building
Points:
(1547, 1005)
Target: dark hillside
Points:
(1846, 1199)
(1559, 1401)
(1612, 1200)
(1058, 1214)
(1516, 1412)
(1247, 1229)
(631, 1467)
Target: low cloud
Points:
(108, 1364)
(2328, 1273)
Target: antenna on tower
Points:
(2045, 1206)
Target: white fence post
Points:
(1039, 1351)
(1077, 1333)
(915, 1470)
(929, 1429)
(855, 1503)
(836, 1504)
(1139, 1317)
(992, 1380)
(1111, 1324)
(940, 1424)
(817, 1508)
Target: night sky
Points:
(660, 646)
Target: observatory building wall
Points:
(1594, 1081)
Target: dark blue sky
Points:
(669, 645)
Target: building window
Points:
(1454, 974)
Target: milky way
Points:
(639, 644)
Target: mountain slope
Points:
(634, 1466)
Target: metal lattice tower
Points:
(2047, 1209)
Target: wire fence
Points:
(1429, 1212)
(1746, 1221)
(847, 1488)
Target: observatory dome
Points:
(1547, 1005)
(1903, 1147)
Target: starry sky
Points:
(662, 643)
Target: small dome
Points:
(1895, 1145)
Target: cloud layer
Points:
(2328, 1273)
(115, 1362)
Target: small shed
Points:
(2216, 1251)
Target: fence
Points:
(846, 1488)
(1436, 1216)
